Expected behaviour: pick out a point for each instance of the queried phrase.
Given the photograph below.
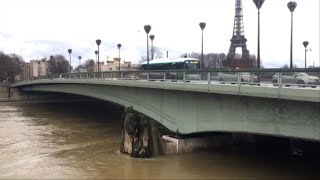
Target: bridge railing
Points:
(269, 77)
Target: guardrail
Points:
(276, 77)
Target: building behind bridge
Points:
(33, 69)
(112, 64)
(38, 68)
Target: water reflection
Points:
(81, 140)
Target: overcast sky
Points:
(40, 28)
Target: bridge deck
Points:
(266, 90)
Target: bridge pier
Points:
(140, 136)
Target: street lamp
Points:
(292, 6)
(305, 44)
(258, 3)
(70, 51)
(98, 41)
(79, 61)
(152, 38)
(119, 46)
(147, 28)
(96, 52)
(202, 26)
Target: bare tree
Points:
(58, 64)
(239, 61)
(211, 60)
(156, 55)
(287, 67)
(214, 60)
(10, 66)
(89, 64)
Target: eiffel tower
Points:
(238, 39)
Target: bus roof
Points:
(168, 60)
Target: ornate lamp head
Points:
(98, 41)
(147, 28)
(258, 3)
(151, 37)
(292, 6)
(305, 43)
(202, 25)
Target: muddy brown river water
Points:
(81, 140)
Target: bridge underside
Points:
(191, 112)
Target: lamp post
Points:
(202, 26)
(305, 44)
(258, 3)
(79, 57)
(292, 6)
(98, 41)
(152, 38)
(96, 52)
(119, 46)
(70, 51)
(147, 28)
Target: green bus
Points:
(171, 64)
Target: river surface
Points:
(81, 140)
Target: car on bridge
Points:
(296, 78)
(222, 77)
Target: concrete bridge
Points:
(196, 101)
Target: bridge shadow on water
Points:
(89, 108)
(264, 147)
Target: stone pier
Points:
(140, 136)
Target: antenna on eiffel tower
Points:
(238, 39)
